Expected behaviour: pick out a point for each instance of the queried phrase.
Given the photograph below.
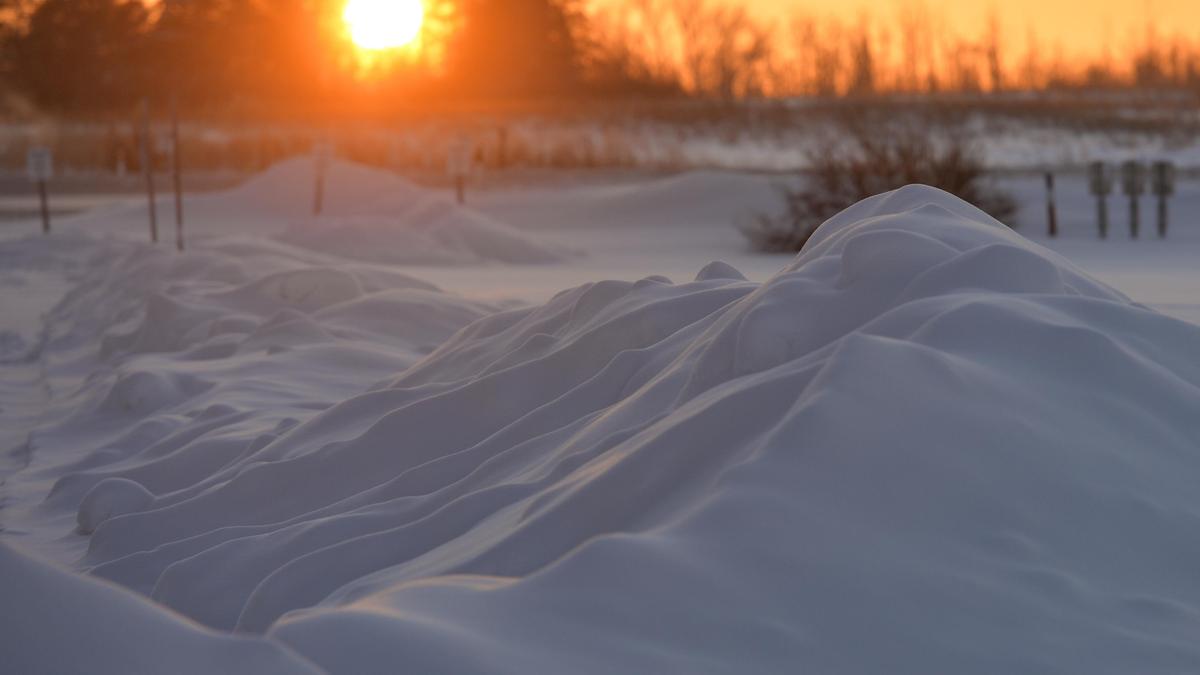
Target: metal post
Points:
(1162, 216)
(177, 173)
(147, 157)
(39, 165)
(1100, 183)
(1051, 210)
(319, 190)
(1163, 182)
(320, 159)
(1134, 219)
(45, 204)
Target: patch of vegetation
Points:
(870, 156)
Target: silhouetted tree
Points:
(515, 48)
(82, 54)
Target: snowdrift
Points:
(421, 230)
(683, 200)
(926, 446)
(367, 214)
(58, 622)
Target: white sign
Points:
(39, 164)
(459, 158)
(1100, 179)
(1163, 178)
(165, 144)
(322, 151)
(1133, 177)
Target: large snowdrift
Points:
(367, 214)
(926, 446)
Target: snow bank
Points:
(684, 200)
(425, 230)
(58, 622)
(367, 214)
(925, 446)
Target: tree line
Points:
(223, 56)
(720, 50)
(230, 57)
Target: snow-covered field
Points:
(549, 433)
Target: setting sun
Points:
(383, 24)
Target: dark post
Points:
(1133, 179)
(45, 204)
(39, 164)
(321, 152)
(458, 164)
(502, 148)
(146, 149)
(1135, 212)
(1051, 211)
(1163, 182)
(177, 173)
(1100, 181)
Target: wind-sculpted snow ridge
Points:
(58, 622)
(160, 370)
(926, 446)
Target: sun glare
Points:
(383, 24)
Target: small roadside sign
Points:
(39, 164)
(459, 157)
(1100, 179)
(1133, 183)
(1133, 177)
(323, 151)
(1162, 182)
(1162, 178)
(1100, 182)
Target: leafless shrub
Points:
(873, 156)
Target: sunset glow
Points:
(383, 24)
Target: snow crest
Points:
(927, 445)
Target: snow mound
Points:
(684, 200)
(925, 446)
(424, 229)
(367, 214)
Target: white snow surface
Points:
(926, 445)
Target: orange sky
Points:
(1081, 27)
